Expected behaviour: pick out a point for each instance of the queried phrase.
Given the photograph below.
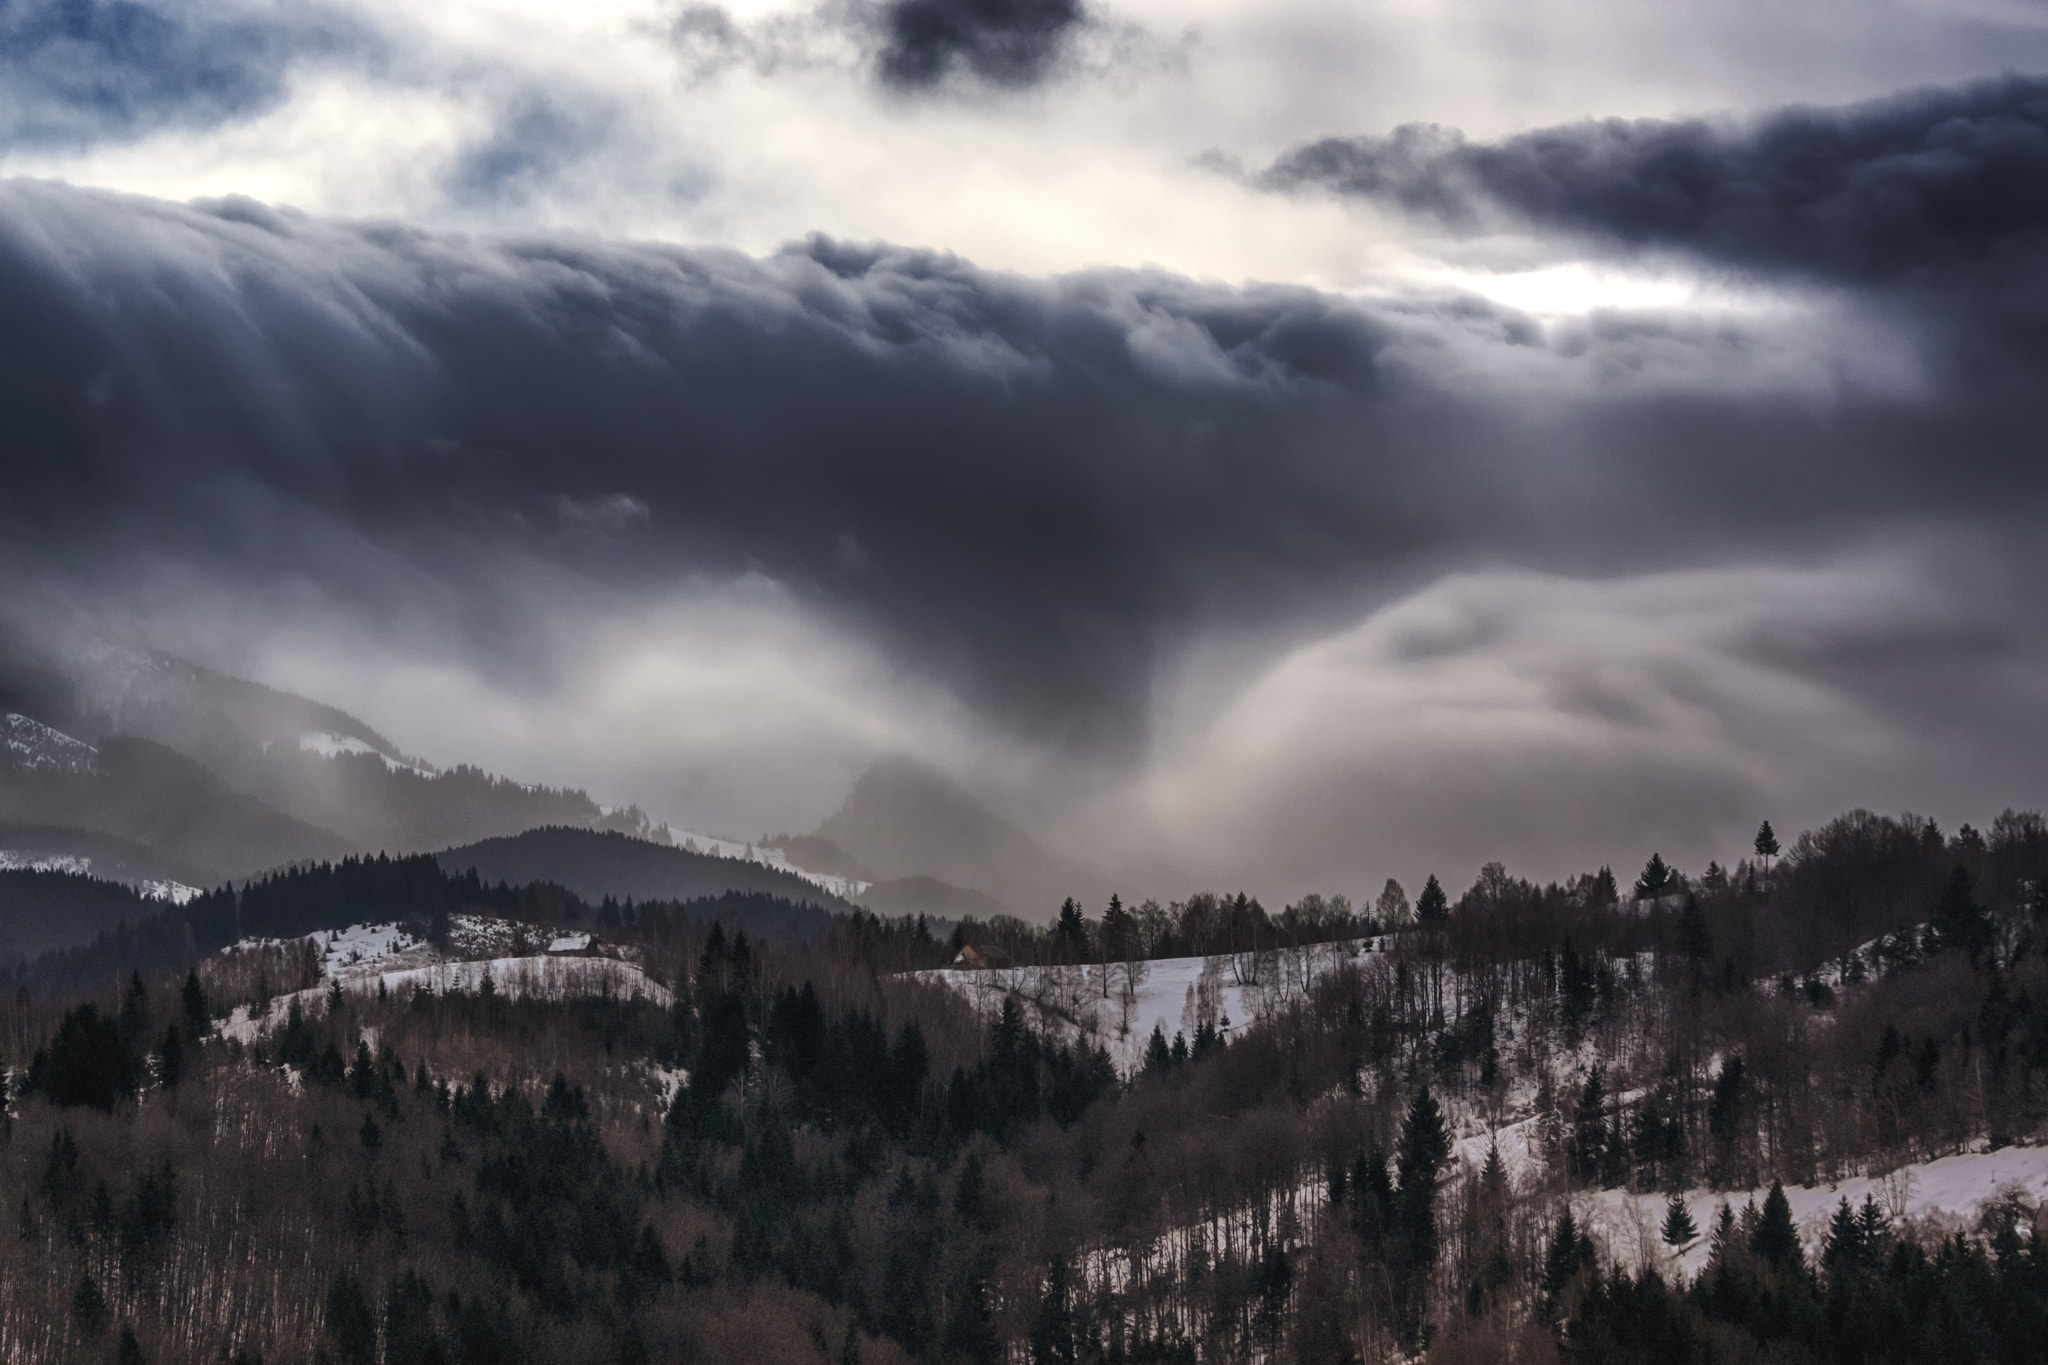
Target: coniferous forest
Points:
(1416, 1140)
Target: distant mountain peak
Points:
(905, 819)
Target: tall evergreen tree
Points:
(1432, 906)
(351, 1325)
(198, 1018)
(1656, 879)
(1589, 1128)
(1679, 1229)
(1775, 1239)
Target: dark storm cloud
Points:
(76, 72)
(1027, 490)
(1937, 180)
(1005, 42)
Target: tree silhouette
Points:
(86, 1063)
(1678, 1225)
(1766, 844)
(1432, 906)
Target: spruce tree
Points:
(1843, 1247)
(1424, 1149)
(198, 1017)
(1679, 1229)
(1569, 1249)
(351, 1325)
(1432, 906)
(1774, 1238)
(1655, 879)
(1959, 921)
(1766, 845)
(171, 1058)
(1589, 1128)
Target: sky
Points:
(1271, 444)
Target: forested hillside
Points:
(1409, 1136)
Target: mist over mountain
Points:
(903, 820)
(1023, 682)
(596, 864)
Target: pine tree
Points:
(1679, 1229)
(1766, 845)
(89, 1307)
(1842, 1248)
(970, 1333)
(1694, 939)
(198, 1017)
(1072, 931)
(1774, 1238)
(1432, 906)
(1959, 921)
(351, 1325)
(1655, 879)
(1424, 1148)
(134, 1009)
(171, 1058)
(1569, 1250)
(1589, 1128)
(1052, 1327)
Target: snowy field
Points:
(1173, 994)
(1950, 1193)
(364, 957)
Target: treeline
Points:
(814, 1155)
(413, 891)
(1870, 1295)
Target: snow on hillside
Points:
(846, 888)
(1172, 994)
(177, 893)
(32, 745)
(333, 746)
(364, 957)
(1949, 1192)
(12, 860)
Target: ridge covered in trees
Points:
(820, 1151)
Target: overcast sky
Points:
(1276, 443)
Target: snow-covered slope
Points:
(690, 842)
(331, 746)
(364, 958)
(29, 744)
(155, 888)
(1173, 994)
(1950, 1192)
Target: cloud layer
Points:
(1252, 577)
(1941, 179)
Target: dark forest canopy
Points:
(816, 1153)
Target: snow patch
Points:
(11, 861)
(1951, 1188)
(1166, 993)
(846, 888)
(333, 746)
(512, 978)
